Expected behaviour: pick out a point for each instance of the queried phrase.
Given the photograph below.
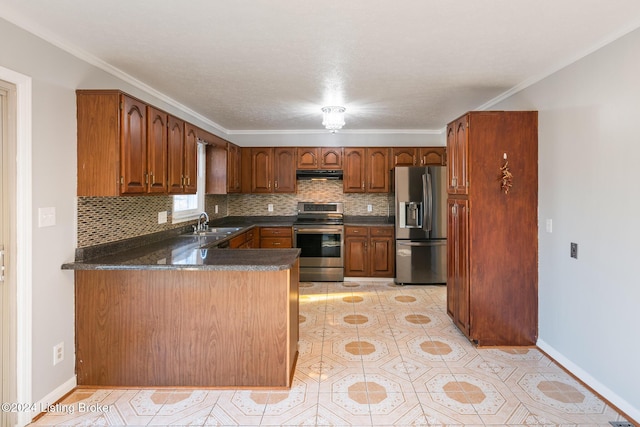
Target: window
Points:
(189, 206)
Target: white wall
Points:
(589, 157)
(339, 139)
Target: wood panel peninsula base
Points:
(194, 328)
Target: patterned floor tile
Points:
(370, 354)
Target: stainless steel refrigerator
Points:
(421, 224)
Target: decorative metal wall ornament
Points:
(507, 177)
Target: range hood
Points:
(318, 174)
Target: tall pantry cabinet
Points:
(492, 261)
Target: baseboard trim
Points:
(620, 404)
(54, 397)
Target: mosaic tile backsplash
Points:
(110, 219)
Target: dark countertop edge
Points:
(369, 220)
(174, 267)
(279, 259)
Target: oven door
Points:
(320, 246)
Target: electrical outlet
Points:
(162, 217)
(215, 209)
(574, 250)
(270, 207)
(549, 226)
(369, 208)
(58, 353)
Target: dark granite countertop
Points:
(190, 253)
(186, 251)
(179, 250)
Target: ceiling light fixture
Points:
(333, 118)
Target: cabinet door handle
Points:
(362, 184)
(146, 178)
(275, 184)
(276, 243)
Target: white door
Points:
(7, 391)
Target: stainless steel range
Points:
(319, 233)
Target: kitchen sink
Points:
(223, 231)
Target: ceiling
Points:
(268, 66)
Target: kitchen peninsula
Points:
(176, 313)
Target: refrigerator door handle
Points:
(427, 195)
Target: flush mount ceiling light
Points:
(333, 118)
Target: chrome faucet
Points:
(203, 225)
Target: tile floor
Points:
(371, 354)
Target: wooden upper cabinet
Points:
(273, 170)
(353, 180)
(261, 169)
(233, 168)
(331, 158)
(377, 170)
(133, 154)
(418, 156)
(216, 170)
(284, 173)
(126, 147)
(457, 147)
(190, 156)
(223, 167)
(366, 170)
(308, 158)
(176, 149)
(432, 156)
(157, 150)
(112, 143)
(319, 158)
(404, 156)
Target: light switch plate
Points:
(549, 225)
(46, 217)
(270, 207)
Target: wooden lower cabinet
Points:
(155, 328)
(369, 251)
(243, 241)
(276, 237)
(458, 263)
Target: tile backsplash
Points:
(110, 219)
(310, 191)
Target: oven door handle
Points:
(318, 230)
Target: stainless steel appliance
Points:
(319, 233)
(421, 224)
